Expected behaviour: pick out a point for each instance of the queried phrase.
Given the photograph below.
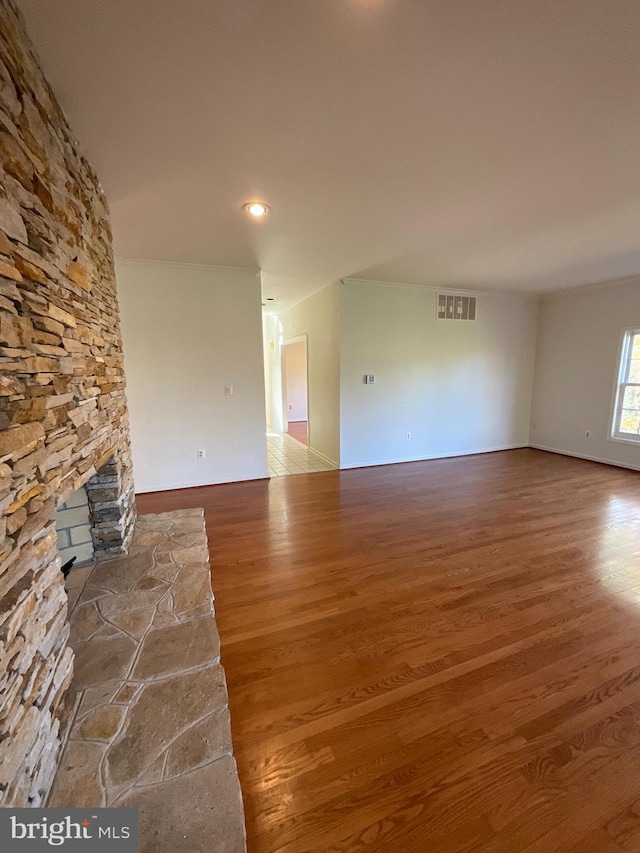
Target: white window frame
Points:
(624, 365)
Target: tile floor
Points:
(288, 456)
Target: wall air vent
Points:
(452, 307)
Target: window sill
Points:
(618, 440)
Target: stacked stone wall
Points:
(63, 412)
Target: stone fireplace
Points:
(73, 529)
(63, 412)
(93, 524)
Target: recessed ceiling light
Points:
(256, 209)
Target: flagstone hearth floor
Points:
(151, 722)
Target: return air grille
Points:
(452, 307)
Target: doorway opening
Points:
(289, 404)
(296, 390)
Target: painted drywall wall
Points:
(318, 317)
(457, 387)
(188, 332)
(271, 334)
(579, 340)
(295, 372)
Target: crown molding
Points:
(429, 288)
(119, 259)
(578, 290)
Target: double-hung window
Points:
(626, 416)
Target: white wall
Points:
(295, 371)
(188, 331)
(458, 387)
(318, 317)
(578, 354)
(273, 372)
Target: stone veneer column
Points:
(63, 413)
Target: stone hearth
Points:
(151, 722)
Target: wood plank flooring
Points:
(298, 430)
(437, 656)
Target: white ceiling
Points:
(460, 143)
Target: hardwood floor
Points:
(299, 431)
(437, 656)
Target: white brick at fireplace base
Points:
(73, 526)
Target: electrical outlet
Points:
(587, 434)
(408, 436)
(228, 390)
(201, 454)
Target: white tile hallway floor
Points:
(287, 456)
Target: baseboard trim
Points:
(437, 456)
(601, 460)
(323, 457)
(181, 488)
